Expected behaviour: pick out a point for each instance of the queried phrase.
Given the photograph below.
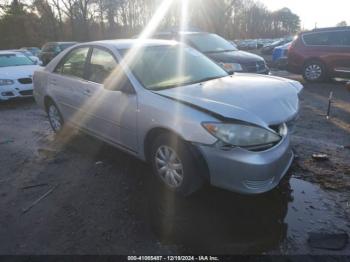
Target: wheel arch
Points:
(316, 59)
(47, 100)
(155, 132)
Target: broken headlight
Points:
(242, 135)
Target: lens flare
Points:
(92, 103)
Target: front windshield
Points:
(210, 43)
(161, 67)
(14, 60)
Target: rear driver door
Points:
(66, 84)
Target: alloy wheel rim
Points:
(55, 118)
(313, 72)
(169, 166)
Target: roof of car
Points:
(30, 47)
(332, 28)
(338, 28)
(180, 33)
(128, 43)
(60, 43)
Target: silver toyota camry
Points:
(170, 105)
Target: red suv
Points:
(321, 54)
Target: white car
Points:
(16, 75)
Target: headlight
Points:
(6, 82)
(234, 67)
(242, 135)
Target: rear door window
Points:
(74, 63)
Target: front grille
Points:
(255, 67)
(258, 184)
(26, 93)
(25, 81)
(275, 128)
(260, 65)
(281, 129)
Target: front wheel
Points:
(55, 117)
(174, 165)
(314, 71)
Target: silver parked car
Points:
(168, 104)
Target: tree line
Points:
(34, 22)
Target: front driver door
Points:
(112, 104)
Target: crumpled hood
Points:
(262, 100)
(15, 72)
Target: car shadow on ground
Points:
(211, 221)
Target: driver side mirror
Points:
(230, 72)
(127, 87)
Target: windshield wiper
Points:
(220, 51)
(209, 78)
(158, 88)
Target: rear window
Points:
(50, 48)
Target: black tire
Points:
(191, 180)
(54, 125)
(314, 71)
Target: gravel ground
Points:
(101, 201)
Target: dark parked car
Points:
(321, 54)
(220, 50)
(52, 49)
(35, 51)
(268, 49)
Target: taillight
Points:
(294, 43)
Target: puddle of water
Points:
(312, 210)
(219, 222)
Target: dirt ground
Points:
(98, 200)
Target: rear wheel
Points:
(55, 117)
(174, 165)
(314, 71)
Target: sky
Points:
(325, 13)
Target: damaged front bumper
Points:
(248, 172)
